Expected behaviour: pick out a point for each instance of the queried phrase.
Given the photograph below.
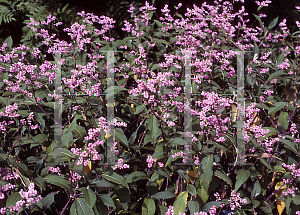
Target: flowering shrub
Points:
(153, 67)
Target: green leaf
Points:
(283, 119)
(208, 205)
(107, 200)
(158, 155)
(50, 104)
(273, 23)
(148, 207)
(290, 145)
(62, 152)
(23, 169)
(191, 189)
(79, 207)
(256, 190)
(278, 106)
(180, 203)
(153, 126)
(259, 20)
(139, 109)
(202, 195)
(80, 132)
(135, 176)
(58, 181)
(177, 141)
(40, 138)
(120, 136)
(193, 207)
(275, 75)
(266, 164)
(164, 195)
(9, 42)
(48, 200)
(102, 183)
(73, 124)
(116, 178)
(12, 199)
(89, 196)
(100, 209)
(205, 171)
(184, 175)
(4, 101)
(222, 175)
(241, 177)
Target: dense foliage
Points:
(153, 173)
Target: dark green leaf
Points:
(241, 177)
(116, 178)
(153, 126)
(191, 189)
(107, 200)
(273, 23)
(48, 200)
(275, 75)
(164, 195)
(120, 136)
(193, 207)
(205, 171)
(89, 196)
(135, 176)
(12, 199)
(79, 207)
(283, 119)
(278, 106)
(139, 109)
(222, 175)
(58, 181)
(290, 145)
(184, 175)
(256, 190)
(148, 207)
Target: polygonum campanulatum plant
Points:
(152, 148)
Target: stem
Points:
(65, 206)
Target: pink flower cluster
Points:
(121, 165)
(54, 170)
(211, 211)
(75, 176)
(235, 200)
(150, 161)
(6, 174)
(29, 197)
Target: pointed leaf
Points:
(116, 178)
(48, 200)
(120, 136)
(206, 172)
(135, 176)
(107, 200)
(164, 195)
(89, 196)
(278, 106)
(58, 181)
(241, 177)
(180, 203)
(193, 207)
(191, 189)
(283, 119)
(222, 175)
(148, 207)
